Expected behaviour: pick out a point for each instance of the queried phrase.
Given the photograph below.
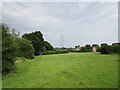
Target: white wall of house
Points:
(94, 49)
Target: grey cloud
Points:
(80, 23)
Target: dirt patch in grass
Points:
(19, 61)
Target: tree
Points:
(25, 48)
(95, 45)
(48, 46)
(106, 49)
(84, 49)
(88, 47)
(8, 50)
(104, 44)
(37, 41)
(116, 49)
(15, 33)
(12, 47)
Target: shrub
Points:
(84, 49)
(8, 50)
(75, 51)
(12, 46)
(106, 49)
(69, 49)
(55, 52)
(98, 49)
(7, 67)
(116, 49)
(25, 48)
(48, 52)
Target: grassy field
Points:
(72, 70)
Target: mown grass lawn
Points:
(72, 70)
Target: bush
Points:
(48, 52)
(8, 50)
(116, 49)
(25, 48)
(61, 51)
(7, 67)
(69, 49)
(54, 52)
(106, 49)
(75, 51)
(85, 49)
(12, 46)
(98, 49)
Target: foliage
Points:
(69, 49)
(95, 45)
(7, 67)
(75, 51)
(12, 47)
(48, 46)
(88, 47)
(37, 41)
(55, 52)
(25, 48)
(98, 49)
(106, 49)
(14, 32)
(85, 49)
(116, 49)
(8, 50)
(104, 44)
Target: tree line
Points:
(33, 44)
(28, 46)
(103, 49)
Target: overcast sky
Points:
(80, 23)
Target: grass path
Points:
(73, 70)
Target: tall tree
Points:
(103, 44)
(89, 48)
(48, 46)
(37, 41)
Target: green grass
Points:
(72, 70)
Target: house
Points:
(94, 47)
